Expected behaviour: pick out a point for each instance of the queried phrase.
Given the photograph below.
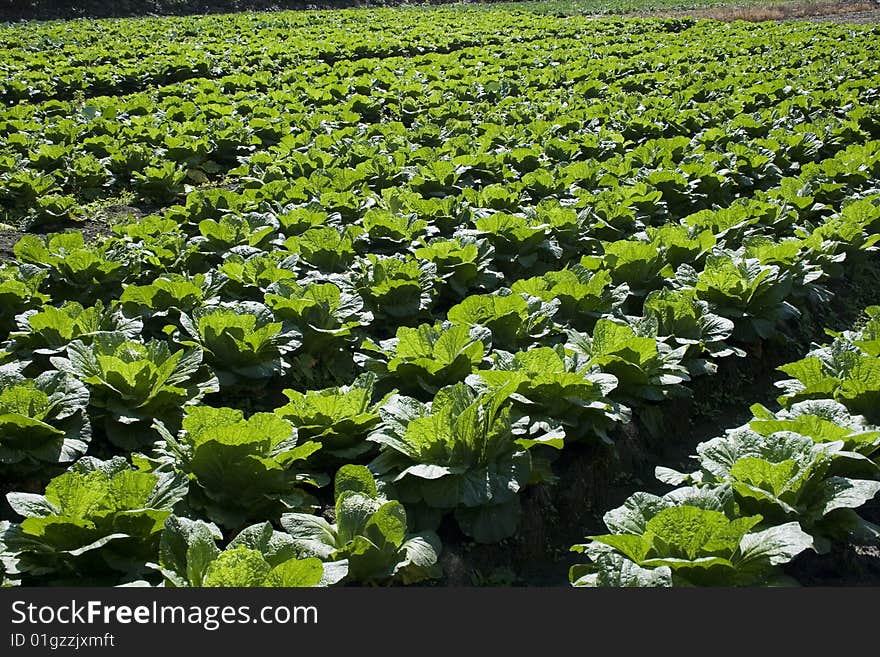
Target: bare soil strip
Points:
(857, 12)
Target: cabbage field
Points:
(331, 298)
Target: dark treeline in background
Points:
(13, 10)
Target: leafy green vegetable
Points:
(681, 245)
(160, 184)
(841, 372)
(249, 277)
(583, 296)
(823, 420)
(326, 248)
(42, 421)
(495, 183)
(463, 452)
(76, 271)
(100, 519)
(242, 469)
(687, 537)
(783, 477)
(170, 293)
(387, 230)
(464, 264)
(253, 230)
(639, 265)
(338, 418)
(555, 388)
(515, 320)
(745, 291)
(240, 340)
(645, 368)
(424, 359)
(683, 319)
(49, 330)
(133, 383)
(370, 534)
(19, 292)
(258, 556)
(324, 312)
(396, 289)
(519, 245)
(159, 244)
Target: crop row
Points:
(455, 416)
(785, 482)
(110, 58)
(755, 116)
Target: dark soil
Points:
(92, 227)
(7, 242)
(845, 565)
